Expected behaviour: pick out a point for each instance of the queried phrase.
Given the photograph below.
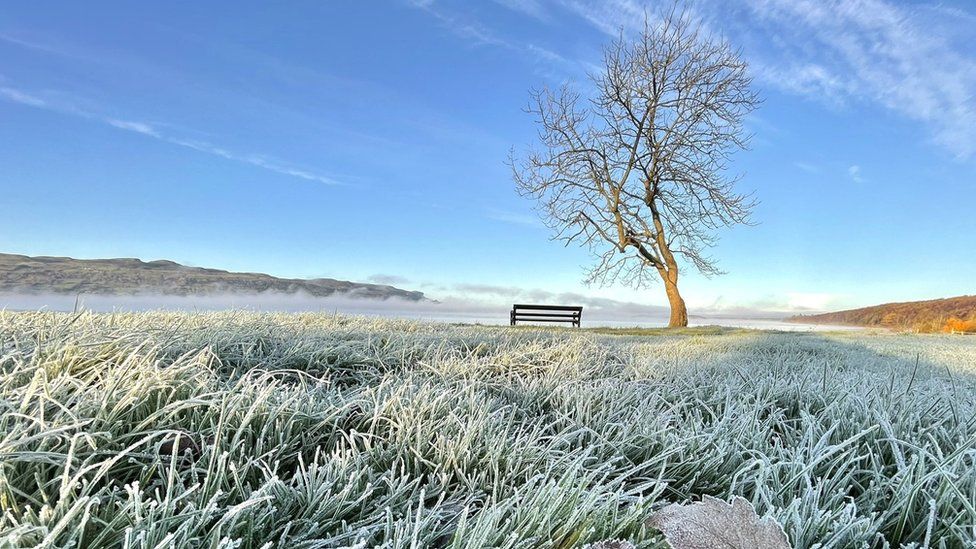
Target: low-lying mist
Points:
(458, 309)
(455, 309)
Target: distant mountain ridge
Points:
(126, 276)
(949, 314)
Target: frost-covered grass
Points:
(294, 431)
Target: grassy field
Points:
(295, 431)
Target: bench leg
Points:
(512, 318)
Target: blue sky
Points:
(367, 141)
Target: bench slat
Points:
(563, 320)
(547, 319)
(557, 315)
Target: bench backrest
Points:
(546, 313)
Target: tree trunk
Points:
(679, 313)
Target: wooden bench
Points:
(546, 313)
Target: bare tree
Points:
(639, 171)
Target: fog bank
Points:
(602, 312)
(450, 308)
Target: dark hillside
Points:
(64, 275)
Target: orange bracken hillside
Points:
(954, 314)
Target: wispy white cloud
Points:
(138, 127)
(913, 60)
(785, 304)
(30, 44)
(610, 16)
(525, 220)
(533, 8)
(855, 173)
(149, 130)
(559, 63)
(845, 51)
(810, 301)
(388, 279)
(18, 96)
(462, 25)
(805, 78)
(553, 64)
(275, 166)
(252, 159)
(809, 168)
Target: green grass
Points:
(298, 431)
